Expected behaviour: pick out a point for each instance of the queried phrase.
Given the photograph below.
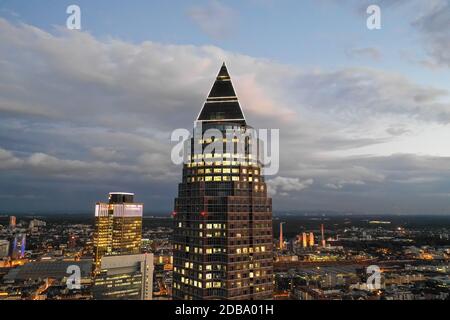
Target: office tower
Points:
(223, 217)
(124, 277)
(281, 236)
(12, 222)
(18, 249)
(311, 239)
(4, 248)
(118, 226)
(323, 236)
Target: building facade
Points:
(223, 217)
(124, 277)
(118, 227)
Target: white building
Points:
(124, 277)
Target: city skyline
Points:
(364, 118)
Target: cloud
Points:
(8, 160)
(285, 185)
(429, 19)
(434, 27)
(215, 19)
(368, 52)
(83, 116)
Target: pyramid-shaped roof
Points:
(222, 103)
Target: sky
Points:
(364, 115)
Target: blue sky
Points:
(382, 96)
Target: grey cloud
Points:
(284, 185)
(434, 26)
(84, 116)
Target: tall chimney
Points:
(281, 236)
(323, 236)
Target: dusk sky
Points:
(364, 115)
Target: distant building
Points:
(4, 248)
(18, 249)
(118, 226)
(72, 241)
(12, 222)
(124, 277)
(35, 223)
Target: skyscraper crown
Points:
(222, 103)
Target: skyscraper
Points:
(118, 226)
(223, 217)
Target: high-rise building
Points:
(118, 226)
(18, 248)
(12, 222)
(124, 277)
(223, 217)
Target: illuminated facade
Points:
(311, 239)
(19, 243)
(124, 277)
(118, 227)
(223, 217)
(12, 222)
